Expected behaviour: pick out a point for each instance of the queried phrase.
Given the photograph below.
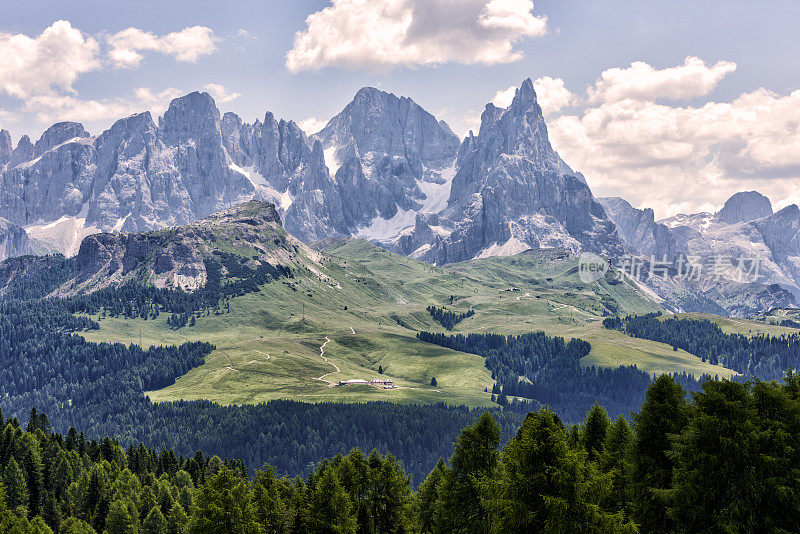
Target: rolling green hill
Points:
(366, 304)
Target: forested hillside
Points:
(547, 371)
(764, 356)
(661, 474)
(99, 387)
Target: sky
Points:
(671, 105)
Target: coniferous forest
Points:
(764, 356)
(100, 388)
(547, 371)
(723, 460)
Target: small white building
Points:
(353, 382)
(381, 382)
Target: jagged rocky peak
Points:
(512, 192)
(518, 130)
(22, 153)
(382, 151)
(745, 206)
(191, 117)
(6, 148)
(379, 122)
(59, 133)
(639, 228)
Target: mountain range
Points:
(386, 170)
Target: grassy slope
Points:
(386, 296)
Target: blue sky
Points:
(643, 133)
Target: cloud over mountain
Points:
(381, 34)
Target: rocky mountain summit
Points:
(383, 169)
(745, 206)
(234, 243)
(744, 258)
(511, 192)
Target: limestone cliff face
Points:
(13, 241)
(640, 230)
(745, 206)
(512, 191)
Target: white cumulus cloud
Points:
(381, 34)
(187, 45)
(47, 63)
(220, 93)
(641, 81)
(679, 157)
(52, 108)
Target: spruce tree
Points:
(330, 507)
(122, 518)
(594, 431)
(154, 523)
(224, 504)
(177, 520)
(664, 413)
(15, 485)
(474, 462)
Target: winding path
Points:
(322, 355)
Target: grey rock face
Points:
(512, 192)
(22, 153)
(745, 206)
(134, 176)
(781, 233)
(5, 147)
(380, 147)
(640, 230)
(58, 133)
(13, 241)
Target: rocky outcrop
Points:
(13, 241)
(512, 191)
(381, 150)
(745, 206)
(22, 153)
(640, 230)
(135, 176)
(6, 148)
(59, 133)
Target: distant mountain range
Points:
(383, 169)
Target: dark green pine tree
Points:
(736, 461)
(155, 522)
(664, 413)
(122, 517)
(547, 486)
(224, 504)
(177, 520)
(428, 496)
(331, 507)
(474, 463)
(594, 431)
(269, 506)
(616, 462)
(434, 383)
(15, 485)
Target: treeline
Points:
(100, 387)
(448, 319)
(32, 278)
(722, 461)
(763, 356)
(547, 370)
